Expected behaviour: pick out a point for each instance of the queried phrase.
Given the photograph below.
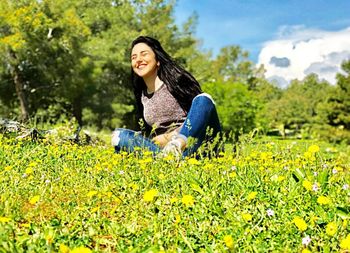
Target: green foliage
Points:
(42, 47)
(334, 112)
(297, 104)
(336, 108)
(235, 104)
(266, 198)
(232, 65)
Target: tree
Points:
(265, 92)
(236, 106)
(334, 112)
(17, 22)
(232, 65)
(297, 106)
(338, 113)
(41, 45)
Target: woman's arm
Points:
(163, 139)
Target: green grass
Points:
(60, 196)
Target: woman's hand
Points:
(163, 139)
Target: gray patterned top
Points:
(161, 110)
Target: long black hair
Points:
(180, 83)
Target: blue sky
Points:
(291, 38)
(250, 23)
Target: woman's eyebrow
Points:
(143, 51)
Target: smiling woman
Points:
(170, 103)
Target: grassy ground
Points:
(267, 196)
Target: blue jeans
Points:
(201, 119)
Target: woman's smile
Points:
(142, 66)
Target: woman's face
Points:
(143, 60)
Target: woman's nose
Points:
(139, 58)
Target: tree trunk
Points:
(78, 111)
(19, 88)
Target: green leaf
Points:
(343, 212)
(323, 178)
(298, 175)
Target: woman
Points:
(170, 102)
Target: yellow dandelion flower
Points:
(64, 249)
(281, 178)
(187, 200)
(193, 161)
(95, 209)
(345, 223)
(208, 166)
(109, 194)
(49, 238)
(252, 196)
(148, 196)
(98, 167)
(4, 219)
(32, 164)
(147, 153)
(134, 186)
(331, 228)
(307, 185)
(90, 194)
(313, 219)
(338, 169)
(118, 199)
(8, 168)
(305, 251)
(247, 217)
(300, 223)
(308, 155)
(177, 219)
(232, 174)
(168, 158)
(323, 200)
(29, 170)
(81, 250)
(345, 243)
(313, 149)
(148, 160)
(173, 200)
(33, 200)
(228, 241)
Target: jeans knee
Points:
(204, 101)
(115, 137)
(204, 97)
(120, 136)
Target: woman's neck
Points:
(153, 83)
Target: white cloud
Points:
(307, 51)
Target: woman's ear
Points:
(158, 64)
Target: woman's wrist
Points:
(179, 138)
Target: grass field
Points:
(267, 196)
